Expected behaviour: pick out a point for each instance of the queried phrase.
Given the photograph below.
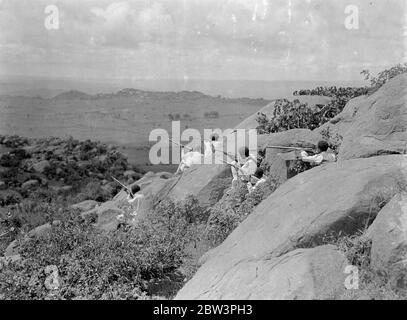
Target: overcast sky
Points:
(201, 39)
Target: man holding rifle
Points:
(243, 167)
(323, 154)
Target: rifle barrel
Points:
(123, 185)
(289, 148)
(178, 144)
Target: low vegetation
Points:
(293, 114)
(155, 257)
(151, 259)
(372, 284)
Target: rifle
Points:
(124, 186)
(234, 166)
(290, 148)
(180, 145)
(190, 149)
(5, 233)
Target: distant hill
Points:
(72, 94)
(123, 117)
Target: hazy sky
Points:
(201, 39)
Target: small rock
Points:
(107, 217)
(149, 174)
(66, 188)
(41, 166)
(90, 216)
(129, 173)
(56, 223)
(102, 158)
(164, 175)
(30, 184)
(40, 231)
(12, 249)
(4, 261)
(3, 185)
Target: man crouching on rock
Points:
(244, 167)
(133, 195)
(322, 156)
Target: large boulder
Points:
(389, 234)
(274, 158)
(337, 197)
(206, 182)
(373, 125)
(316, 273)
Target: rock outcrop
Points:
(316, 273)
(389, 235)
(274, 158)
(337, 197)
(373, 125)
(206, 182)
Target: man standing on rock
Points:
(244, 167)
(133, 196)
(323, 155)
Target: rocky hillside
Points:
(280, 251)
(298, 238)
(60, 165)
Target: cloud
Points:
(204, 38)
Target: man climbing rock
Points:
(244, 167)
(322, 156)
(189, 158)
(133, 196)
(256, 180)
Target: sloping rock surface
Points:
(331, 198)
(373, 125)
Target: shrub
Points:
(333, 141)
(233, 208)
(293, 114)
(373, 284)
(288, 115)
(384, 76)
(93, 265)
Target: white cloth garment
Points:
(139, 197)
(247, 167)
(259, 182)
(188, 159)
(318, 158)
